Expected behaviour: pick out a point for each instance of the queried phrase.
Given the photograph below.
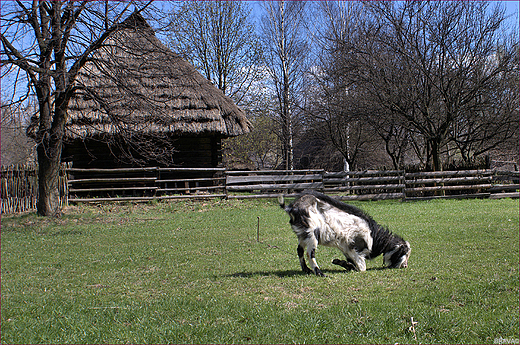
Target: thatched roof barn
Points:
(138, 97)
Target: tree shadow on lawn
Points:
(290, 273)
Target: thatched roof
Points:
(135, 83)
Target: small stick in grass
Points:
(412, 328)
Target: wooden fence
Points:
(374, 184)
(142, 184)
(270, 183)
(366, 185)
(19, 190)
(448, 184)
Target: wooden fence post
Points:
(402, 181)
(64, 184)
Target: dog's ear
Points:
(281, 201)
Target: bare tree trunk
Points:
(49, 147)
(436, 156)
(286, 52)
(287, 124)
(48, 177)
(49, 158)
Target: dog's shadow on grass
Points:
(291, 273)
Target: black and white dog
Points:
(319, 219)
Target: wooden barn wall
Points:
(190, 152)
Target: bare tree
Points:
(219, 38)
(285, 50)
(335, 105)
(50, 41)
(433, 64)
(492, 121)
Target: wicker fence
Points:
(19, 190)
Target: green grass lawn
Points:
(193, 272)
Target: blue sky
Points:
(511, 9)
(511, 6)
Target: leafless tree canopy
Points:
(219, 38)
(286, 51)
(432, 76)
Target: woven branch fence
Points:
(19, 188)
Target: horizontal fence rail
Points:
(19, 190)
(144, 184)
(271, 183)
(448, 184)
(365, 185)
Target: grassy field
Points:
(193, 272)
